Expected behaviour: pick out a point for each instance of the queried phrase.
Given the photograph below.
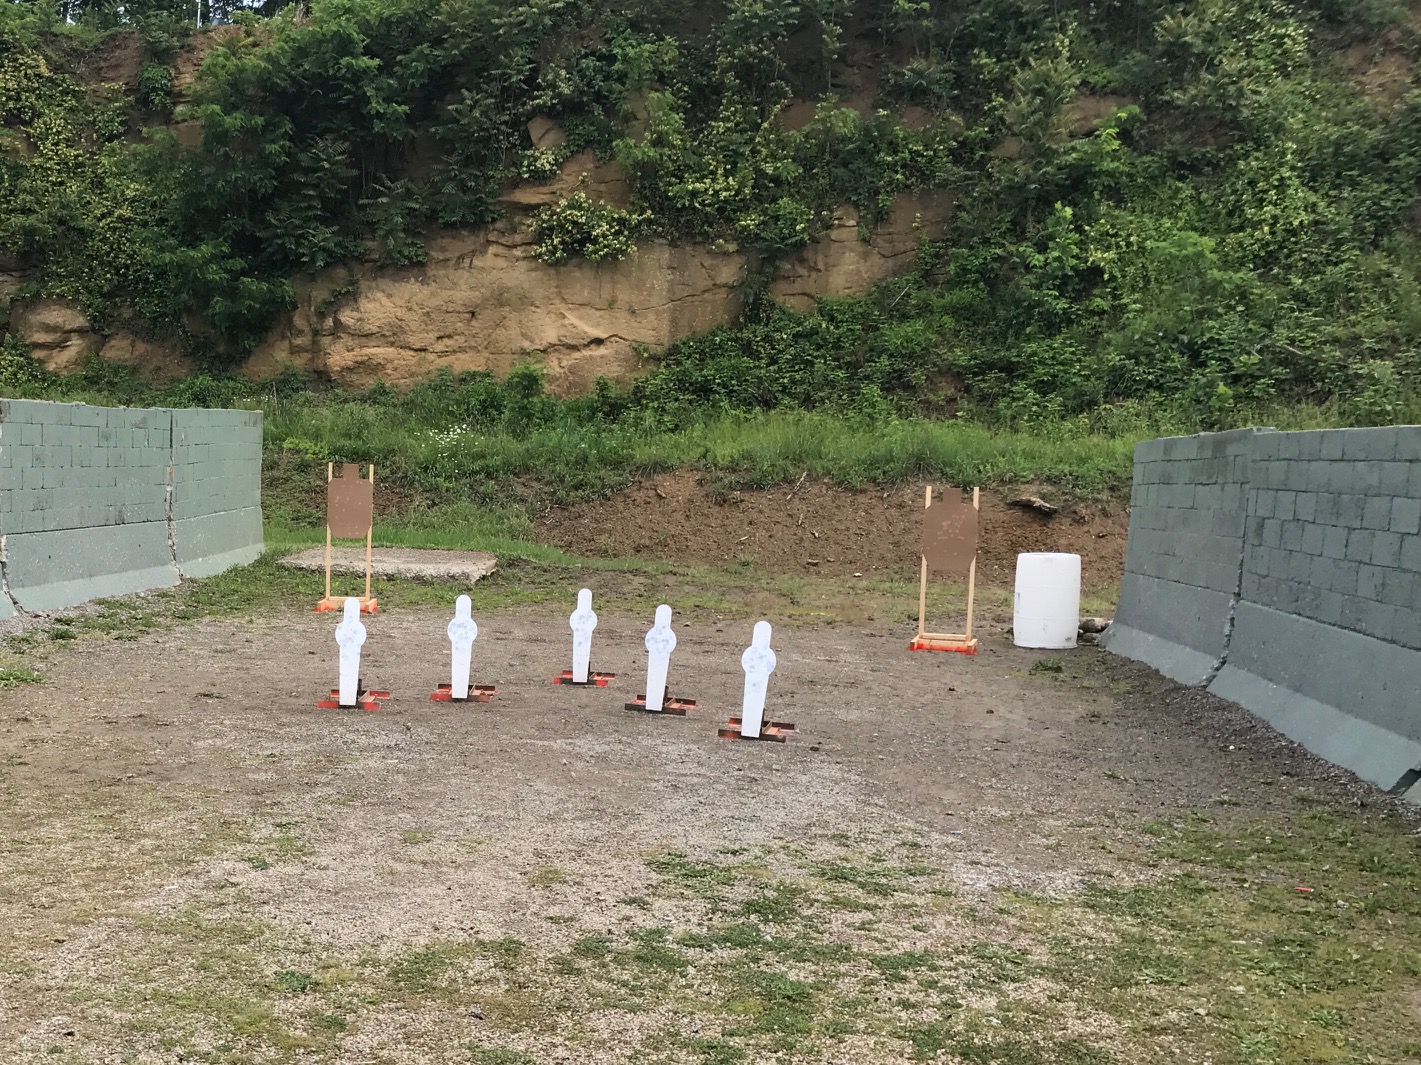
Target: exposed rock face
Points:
(582, 172)
(149, 359)
(482, 302)
(59, 336)
(843, 263)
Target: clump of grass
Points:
(12, 677)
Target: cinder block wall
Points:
(217, 518)
(101, 501)
(1188, 517)
(1320, 631)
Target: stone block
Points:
(1359, 545)
(1376, 513)
(1386, 549)
(1334, 541)
(1411, 553)
(1405, 515)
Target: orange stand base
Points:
(337, 602)
(931, 643)
(366, 699)
(478, 693)
(770, 731)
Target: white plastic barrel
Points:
(1048, 600)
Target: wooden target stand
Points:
(350, 507)
(946, 543)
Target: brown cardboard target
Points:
(350, 503)
(950, 534)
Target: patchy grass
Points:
(11, 677)
(1208, 952)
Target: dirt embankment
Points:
(818, 528)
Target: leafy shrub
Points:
(582, 227)
(20, 373)
(155, 87)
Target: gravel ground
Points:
(189, 772)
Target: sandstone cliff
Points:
(482, 301)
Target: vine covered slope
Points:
(1206, 208)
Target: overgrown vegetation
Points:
(1170, 214)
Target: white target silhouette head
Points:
(463, 628)
(350, 632)
(758, 656)
(661, 640)
(583, 620)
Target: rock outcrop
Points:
(482, 301)
(59, 336)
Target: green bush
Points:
(584, 228)
(155, 87)
(1236, 236)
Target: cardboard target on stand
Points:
(949, 545)
(350, 515)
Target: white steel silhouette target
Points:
(660, 642)
(350, 638)
(758, 662)
(582, 622)
(463, 630)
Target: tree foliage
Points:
(1188, 199)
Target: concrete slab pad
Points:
(411, 563)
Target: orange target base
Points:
(365, 699)
(594, 680)
(478, 693)
(770, 731)
(669, 706)
(934, 641)
(337, 602)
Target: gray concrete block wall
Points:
(1321, 633)
(1338, 539)
(88, 498)
(1188, 519)
(217, 519)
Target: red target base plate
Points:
(365, 700)
(770, 731)
(674, 707)
(478, 693)
(594, 680)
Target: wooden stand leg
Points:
(330, 475)
(370, 532)
(972, 570)
(923, 574)
(923, 598)
(971, 592)
(369, 536)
